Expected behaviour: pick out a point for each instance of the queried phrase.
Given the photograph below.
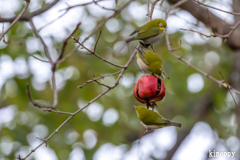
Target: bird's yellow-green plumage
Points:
(149, 33)
(152, 119)
(149, 60)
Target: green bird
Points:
(149, 33)
(150, 61)
(152, 120)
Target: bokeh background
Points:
(109, 129)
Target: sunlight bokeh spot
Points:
(195, 83)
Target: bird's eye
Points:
(160, 24)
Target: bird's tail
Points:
(175, 124)
(130, 39)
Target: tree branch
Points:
(93, 53)
(41, 40)
(95, 79)
(79, 110)
(16, 19)
(170, 50)
(95, 30)
(200, 3)
(219, 26)
(29, 16)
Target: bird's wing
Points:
(161, 121)
(152, 57)
(135, 31)
(141, 54)
(147, 33)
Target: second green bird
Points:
(150, 61)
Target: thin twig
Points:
(208, 36)
(23, 47)
(66, 40)
(179, 3)
(148, 10)
(229, 89)
(109, 9)
(95, 30)
(27, 17)
(42, 41)
(161, 3)
(93, 53)
(17, 18)
(152, 8)
(214, 35)
(51, 21)
(82, 5)
(79, 110)
(209, 21)
(102, 77)
(177, 48)
(101, 84)
(97, 41)
(56, 111)
(233, 13)
(185, 61)
(36, 103)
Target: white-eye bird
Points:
(153, 120)
(149, 33)
(149, 61)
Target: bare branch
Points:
(94, 79)
(93, 53)
(95, 30)
(233, 13)
(56, 111)
(51, 21)
(109, 9)
(27, 17)
(177, 48)
(174, 6)
(161, 3)
(42, 41)
(102, 77)
(17, 18)
(84, 4)
(97, 41)
(194, 67)
(34, 102)
(65, 42)
(148, 11)
(208, 36)
(215, 34)
(22, 45)
(152, 8)
(209, 21)
(79, 110)
(229, 89)
(185, 61)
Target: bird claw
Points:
(152, 48)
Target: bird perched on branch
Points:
(152, 120)
(150, 61)
(149, 33)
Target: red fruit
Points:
(149, 89)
